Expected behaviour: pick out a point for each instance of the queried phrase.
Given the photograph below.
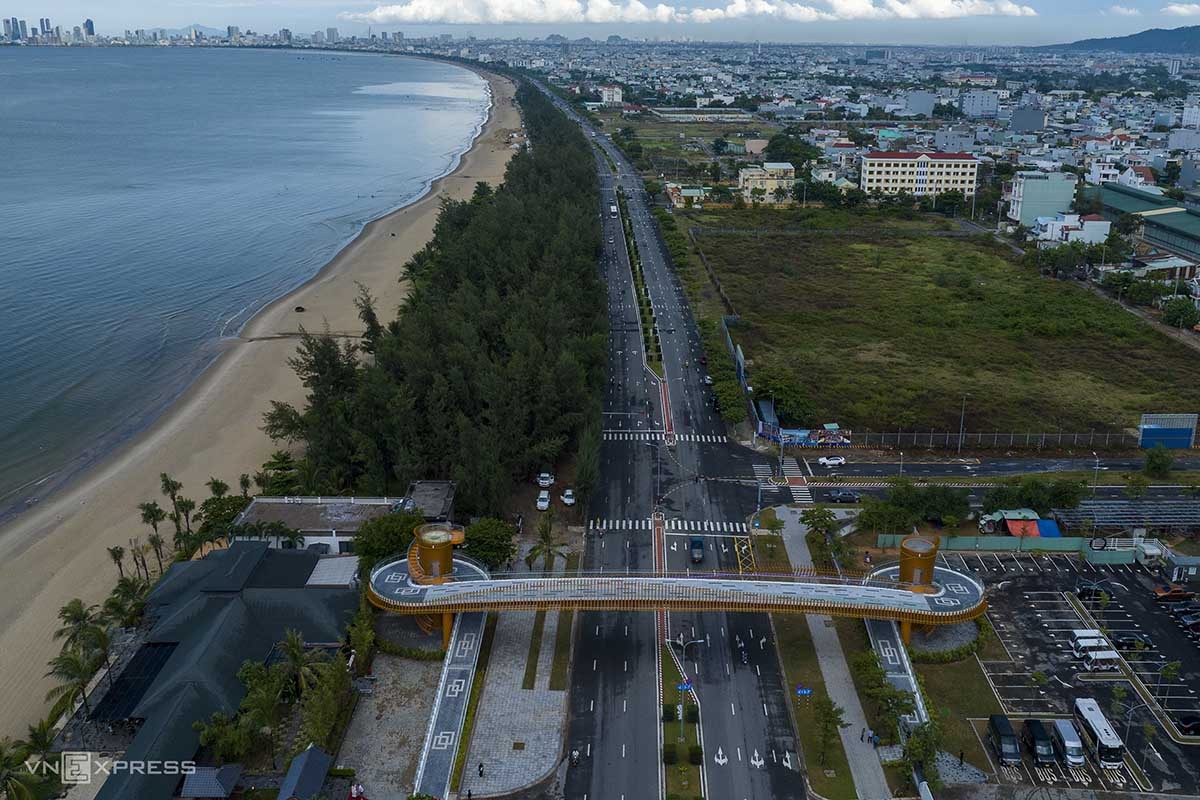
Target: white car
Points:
(568, 497)
(708, 381)
(543, 501)
(831, 461)
(545, 480)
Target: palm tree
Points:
(97, 642)
(124, 606)
(218, 487)
(170, 488)
(156, 543)
(290, 538)
(152, 514)
(299, 663)
(40, 740)
(139, 552)
(117, 554)
(76, 617)
(186, 506)
(546, 546)
(16, 781)
(262, 479)
(244, 484)
(73, 670)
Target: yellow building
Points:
(768, 178)
(919, 173)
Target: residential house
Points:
(1065, 228)
(762, 183)
(1033, 194)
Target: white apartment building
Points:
(1191, 117)
(1100, 171)
(611, 95)
(771, 176)
(1063, 228)
(919, 173)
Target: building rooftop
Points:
(891, 154)
(434, 500)
(342, 514)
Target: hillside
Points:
(1184, 40)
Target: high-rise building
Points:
(232, 33)
(7, 28)
(285, 35)
(77, 34)
(1040, 194)
(318, 37)
(1175, 66)
(16, 28)
(398, 36)
(89, 28)
(24, 29)
(332, 35)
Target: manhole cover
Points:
(518, 745)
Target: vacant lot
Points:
(886, 324)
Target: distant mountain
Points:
(1156, 40)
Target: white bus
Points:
(1098, 735)
(612, 211)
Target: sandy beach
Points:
(58, 551)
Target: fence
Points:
(1113, 551)
(949, 439)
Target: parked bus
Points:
(1098, 735)
(612, 211)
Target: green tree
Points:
(385, 536)
(1135, 486)
(820, 520)
(117, 554)
(322, 703)
(921, 749)
(217, 487)
(491, 541)
(547, 546)
(73, 669)
(361, 636)
(299, 662)
(1181, 312)
(152, 514)
(17, 782)
(1158, 462)
(75, 618)
(830, 719)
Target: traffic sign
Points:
(686, 686)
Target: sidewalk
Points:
(865, 767)
(518, 732)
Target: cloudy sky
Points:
(952, 22)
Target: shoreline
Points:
(27, 498)
(56, 549)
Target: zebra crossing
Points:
(796, 481)
(672, 525)
(657, 436)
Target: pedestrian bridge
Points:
(401, 586)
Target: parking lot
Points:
(1033, 612)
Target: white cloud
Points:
(1124, 11)
(500, 12)
(1182, 9)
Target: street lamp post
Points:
(901, 463)
(1096, 480)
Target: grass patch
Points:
(485, 652)
(683, 777)
(800, 665)
(770, 555)
(901, 323)
(957, 692)
(1188, 547)
(535, 648)
(560, 667)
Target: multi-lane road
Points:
(615, 702)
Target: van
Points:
(1037, 740)
(1101, 660)
(1084, 646)
(1066, 743)
(1003, 740)
(1085, 633)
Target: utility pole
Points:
(962, 417)
(1096, 480)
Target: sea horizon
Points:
(409, 121)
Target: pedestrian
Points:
(468, 794)
(862, 737)
(481, 769)
(960, 757)
(875, 740)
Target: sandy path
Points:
(58, 551)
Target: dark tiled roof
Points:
(306, 774)
(211, 782)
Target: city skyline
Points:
(895, 22)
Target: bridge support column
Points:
(905, 630)
(448, 626)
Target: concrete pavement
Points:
(869, 780)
